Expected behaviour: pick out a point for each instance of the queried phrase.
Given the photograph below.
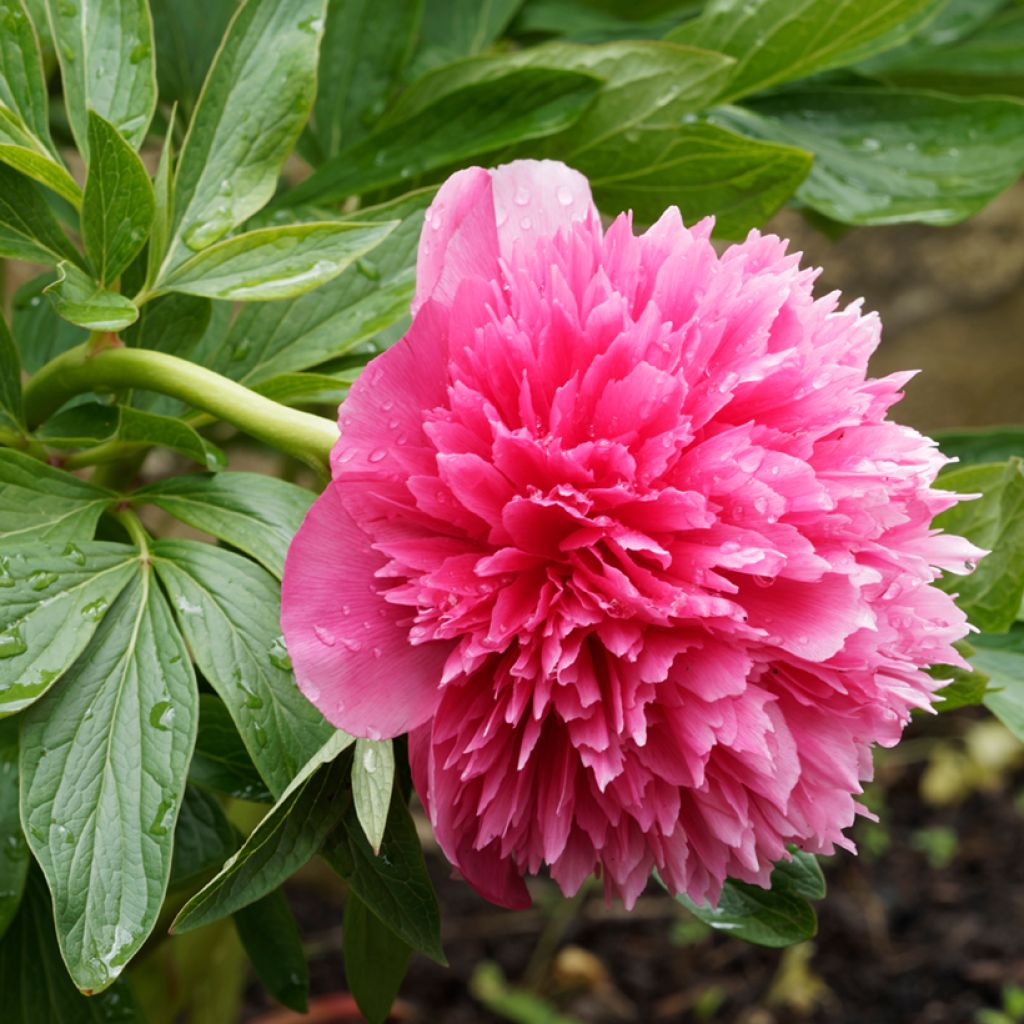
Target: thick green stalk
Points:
(307, 437)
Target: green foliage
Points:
(145, 690)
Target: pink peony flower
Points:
(620, 534)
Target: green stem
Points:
(306, 437)
(136, 531)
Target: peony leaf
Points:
(779, 916)
(39, 331)
(991, 595)
(985, 444)
(118, 205)
(228, 610)
(12, 414)
(884, 156)
(220, 761)
(106, 64)
(203, 838)
(779, 40)
(373, 778)
(1002, 659)
(275, 263)
(272, 941)
(701, 168)
(20, 149)
(28, 229)
(79, 300)
(103, 763)
(376, 960)
(52, 602)
(22, 76)
(255, 513)
(256, 97)
(289, 835)
(38, 502)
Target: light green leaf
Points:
(229, 611)
(963, 689)
(884, 156)
(40, 503)
(376, 960)
(40, 333)
(1002, 660)
(169, 323)
(163, 203)
(118, 205)
(79, 300)
(254, 103)
(203, 838)
(92, 423)
(256, 513)
(20, 149)
(103, 761)
(701, 168)
(373, 778)
(275, 263)
(22, 79)
(308, 388)
(12, 840)
(106, 64)
(461, 28)
(51, 602)
(481, 118)
(984, 444)
(272, 941)
(187, 33)
(988, 61)
(778, 40)
(220, 761)
(12, 416)
(267, 340)
(394, 885)
(365, 48)
(289, 835)
(779, 916)
(28, 229)
(991, 595)
(36, 988)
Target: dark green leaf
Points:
(481, 118)
(118, 205)
(986, 444)
(884, 156)
(220, 760)
(79, 300)
(28, 230)
(275, 263)
(964, 689)
(106, 64)
(583, 21)
(13, 849)
(229, 611)
(701, 168)
(38, 330)
(988, 61)
(394, 885)
(991, 595)
(780, 916)
(38, 502)
(376, 960)
(778, 40)
(255, 513)
(461, 28)
(163, 204)
(365, 48)
(91, 423)
(373, 778)
(254, 102)
(170, 323)
(35, 984)
(22, 79)
(1002, 660)
(187, 33)
(20, 149)
(104, 758)
(12, 416)
(289, 835)
(272, 941)
(203, 838)
(51, 602)
(267, 340)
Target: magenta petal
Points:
(351, 655)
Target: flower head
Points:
(620, 533)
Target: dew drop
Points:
(41, 579)
(163, 819)
(564, 195)
(253, 701)
(521, 197)
(500, 216)
(12, 643)
(6, 579)
(139, 53)
(161, 715)
(260, 735)
(278, 655)
(526, 223)
(74, 552)
(368, 269)
(377, 652)
(325, 636)
(377, 455)
(369, 759)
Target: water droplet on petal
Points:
(522, 196)
(564, 195)
(526, 223)
(377, 455)
(325, 636)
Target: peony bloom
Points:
(620, 534)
